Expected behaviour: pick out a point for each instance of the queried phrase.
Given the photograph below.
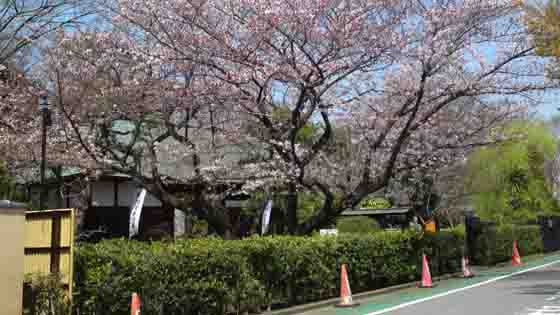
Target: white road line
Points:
(433, 297)
(545, 310)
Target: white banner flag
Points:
(266, 216)
(135, 214)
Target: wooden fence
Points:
(49, 240)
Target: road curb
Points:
(525, 258)
(359, 296)
(364, 295)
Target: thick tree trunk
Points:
(233, 227)
(226, 223)
(228, 234)
(292, 218)
(188, 225)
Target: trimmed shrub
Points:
(495, 243)
(448, 247)
(213, 276)
(44, 294)
(191, 277)
(357, 224)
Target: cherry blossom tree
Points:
(23, 24)
(128, 113)
(214, 95)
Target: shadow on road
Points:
(541, 275)
(539, 289)
(545, 282)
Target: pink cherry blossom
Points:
(213, 95)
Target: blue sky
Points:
(551, 103)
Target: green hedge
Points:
(495, 243)
(357, 224)
(213, 276)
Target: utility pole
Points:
(44, 108)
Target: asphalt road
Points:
(533, 293)
(529, 290)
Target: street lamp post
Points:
(44, 108)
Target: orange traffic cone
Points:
(135, 305)
(515, 258)
(345, 293)
(426, 276)
(467, 273)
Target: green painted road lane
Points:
(413, 298)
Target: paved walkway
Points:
(532, 289)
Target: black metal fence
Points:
(550, 232)
(488, 243)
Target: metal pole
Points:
(43, 159)
(44, 111)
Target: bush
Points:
(495, 243)
(213, 276)
(445, 245)
(358, 224)
(44, 294)
(189, 277)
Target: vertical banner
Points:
(266, 216)
(135, 214)
(179, 219)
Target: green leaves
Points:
(543, 22)
(358, 224)
(495, 243)
(45, 294)
(508, 182)
(8, 185)
(210, 276)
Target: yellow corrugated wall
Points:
(11, 261)
(39, 243)
(38, 231)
